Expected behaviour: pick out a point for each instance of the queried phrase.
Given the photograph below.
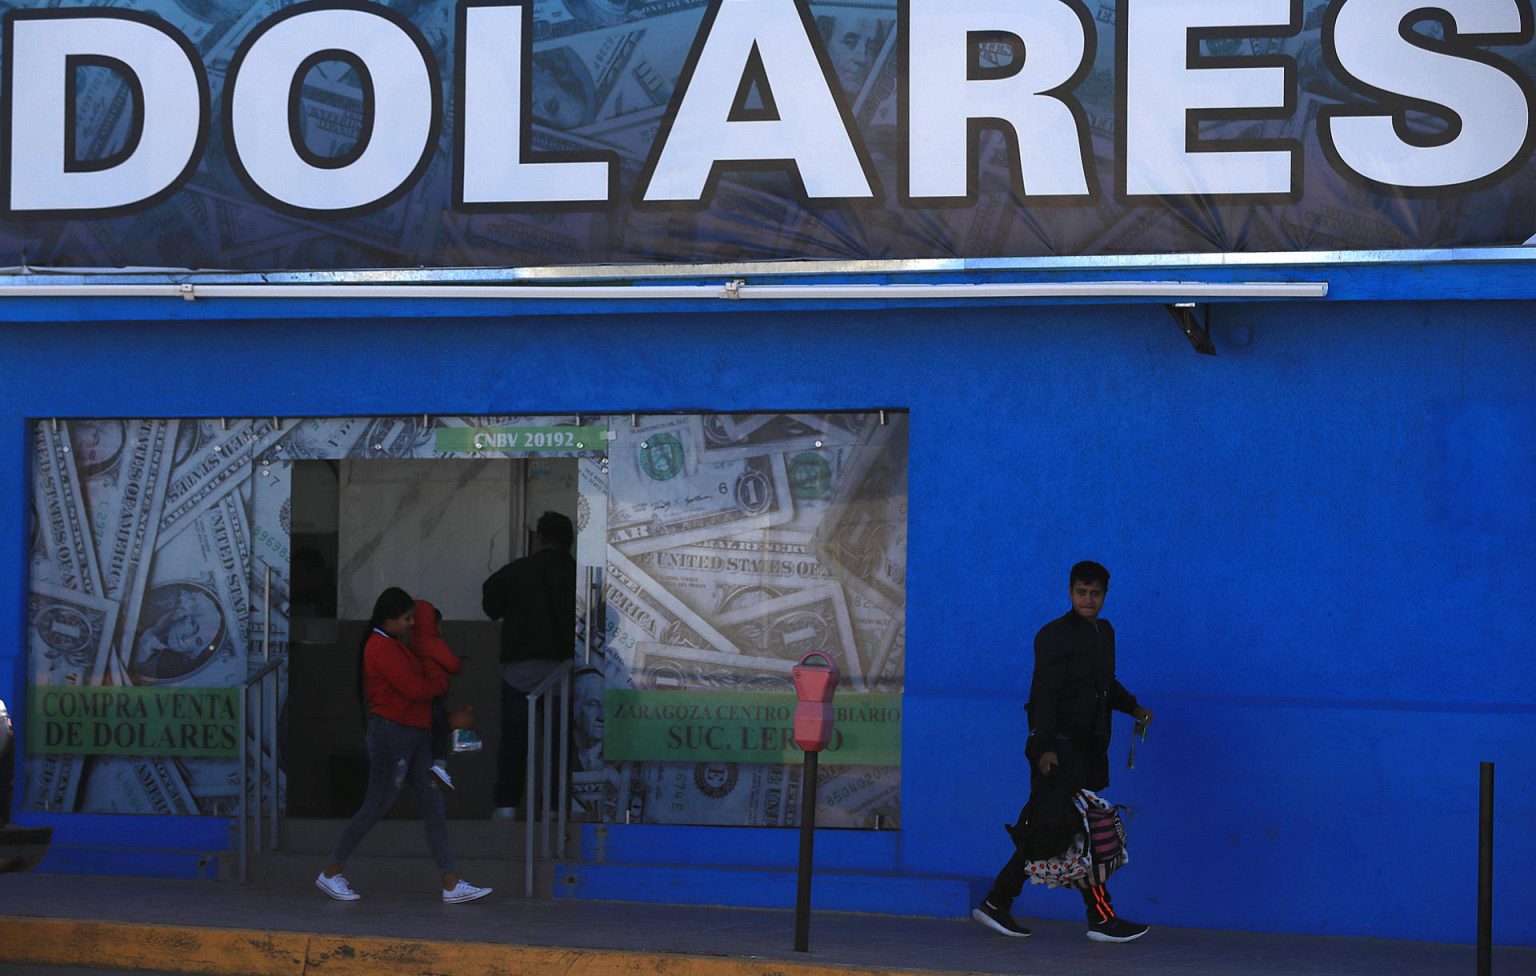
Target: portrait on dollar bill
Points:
(180, 627)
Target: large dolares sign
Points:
(758, 91)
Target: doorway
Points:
(437, 528)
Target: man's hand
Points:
(1047, 763)
(1143, 718)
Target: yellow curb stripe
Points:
(256, 952)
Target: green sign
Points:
(520, 440)
(133, 721)
(744, 727)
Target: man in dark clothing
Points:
(535, 600)
(1073, 692)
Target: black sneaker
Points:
(998, 920)
(1116, 930)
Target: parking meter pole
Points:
(807, 841)
(1484, 870)
(814, 717)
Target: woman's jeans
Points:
(397, 754)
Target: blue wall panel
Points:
(1322, 545)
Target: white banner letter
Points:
(1160, 89)
(169, 107)
(495, 125)
(808, 130)
(399, 127)
(1049, 134)
(1492, 116)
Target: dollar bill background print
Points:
(603, 75)
(735, 545)
(729, 545)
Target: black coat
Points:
(1071, 697)
(535, 600)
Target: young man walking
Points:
(1071, 698)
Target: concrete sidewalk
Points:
(207, 927)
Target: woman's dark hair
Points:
(392, 603)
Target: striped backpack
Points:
(1106, 838)
(1096, 853)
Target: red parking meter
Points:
(814, 686)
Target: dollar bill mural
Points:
(161, 558)
(735, 545)
(722, 548)
(605, 74)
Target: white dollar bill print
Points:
(69, 643)
(67, 550)
(787, 628)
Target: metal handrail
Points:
(266, 735)
(534, 805)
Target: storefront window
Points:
(736, 544)
(172, 558)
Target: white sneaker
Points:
(464, 891)
(444, 781)
(336, 887)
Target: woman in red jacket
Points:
(399, 694)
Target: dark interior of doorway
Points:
(436, 528)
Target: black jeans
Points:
(1012, 878)
(512, 757)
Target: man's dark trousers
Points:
(512, 756)
(1014, 876)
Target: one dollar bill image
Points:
(138, 785)
(726, 436)
(591, 510)
(865, 797)
(68, 552)
(865, 532)
(554, 19)
(69, 643)
(661, 667)
(787, 628)
(758, 794)
(191, 628)
(126, 500)
(640, 610)
(716, 576)
(217, 462)
(671, 507)
(734, 794)
(721, 576)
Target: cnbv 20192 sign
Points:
(349, 134)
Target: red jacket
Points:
(437, 660)
(397, 684)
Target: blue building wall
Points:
(1322, 546)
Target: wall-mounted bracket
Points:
(1196, 330)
